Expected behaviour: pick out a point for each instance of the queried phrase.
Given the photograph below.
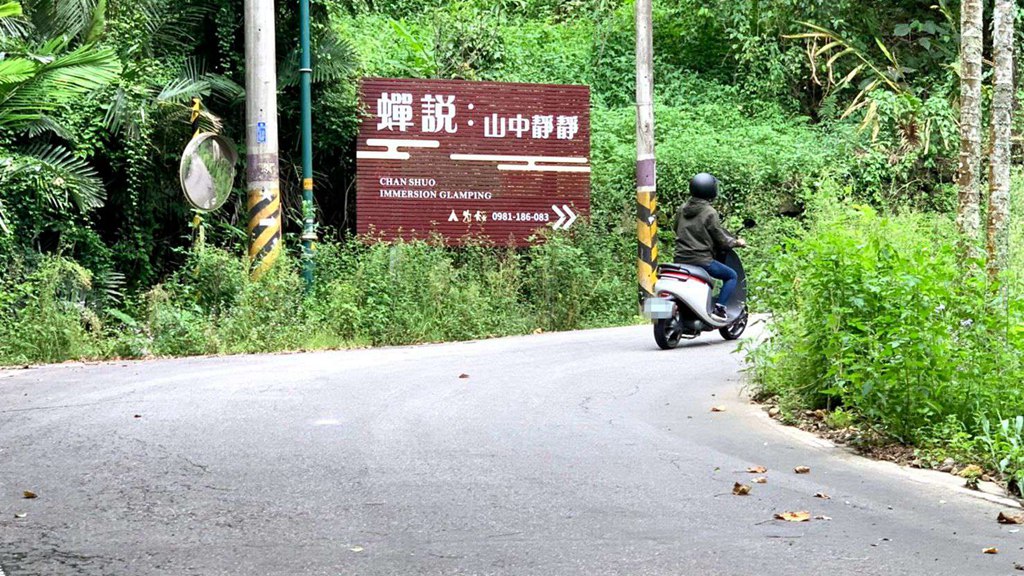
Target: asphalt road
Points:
(586, 453)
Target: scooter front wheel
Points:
(735, 330)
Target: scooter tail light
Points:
(664, 294)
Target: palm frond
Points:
(12, 21)
(62, 176)
(331, 56)
(29, 88)
(3, 225)
(43, 124)
(69, 18)
(169, 23)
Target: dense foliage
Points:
(875, 316)
(803, 109)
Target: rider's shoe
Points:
(719, 313)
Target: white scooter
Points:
(682, 305)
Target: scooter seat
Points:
(690, 269)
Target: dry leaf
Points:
(718, 408)
(760, 480)
(20, 515)
(1005, 518)
(29, 494)
(802, 470)
(463, 376)
(793, 516)
(823, 517)
(356, 548)
(823, 496)
(740, 489)
(757, 469)
(990, 551)
(138, 416)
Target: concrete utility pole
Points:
(261, 169)
(646, 197)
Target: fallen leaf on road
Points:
(760, 480)
(823, 517)
(757, 469)
(990, 551)
(29, 494)
(718, 408)
(802, 470)
(356, 548)
(793, 516)
(1018, 566)
(20, 515)
(823, 496)
(1005, 518)
(463, 376)
(138, 416)
(740, 489)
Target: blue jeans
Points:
(718, 270)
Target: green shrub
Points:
(874, 314)
(45, 318)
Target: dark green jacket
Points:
(699, 233)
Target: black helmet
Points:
(704, 186)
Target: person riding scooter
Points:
(699, 236)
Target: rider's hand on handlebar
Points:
(741, 243)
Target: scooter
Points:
(681, 309)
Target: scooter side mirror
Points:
(749, 223)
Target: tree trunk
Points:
(1002, 117)
(968, 216)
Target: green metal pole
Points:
(308, 213)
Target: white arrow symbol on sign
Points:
(562, 223)
(561, 217)
(572, 217)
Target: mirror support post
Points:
(308, 211)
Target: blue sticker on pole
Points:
(261, 132)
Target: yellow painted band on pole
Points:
(307, 183)
(647, 239)
(264, 230)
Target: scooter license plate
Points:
(658, 308)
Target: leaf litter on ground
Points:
(28, 494)
(801, 516)
(760, 480)
(802, 470)
(718, 408)
(822, 495)
(757, 469)
(1009, 518)
(740, 489)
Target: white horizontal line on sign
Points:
(392, 145)
(381, 155)
(530, 159)
(534, 168)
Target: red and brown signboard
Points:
(471, 159)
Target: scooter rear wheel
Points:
(735, 330)
(664, 335)
(668, 331)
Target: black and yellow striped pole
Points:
(197, 108)
(646, 195)
(261, 163)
